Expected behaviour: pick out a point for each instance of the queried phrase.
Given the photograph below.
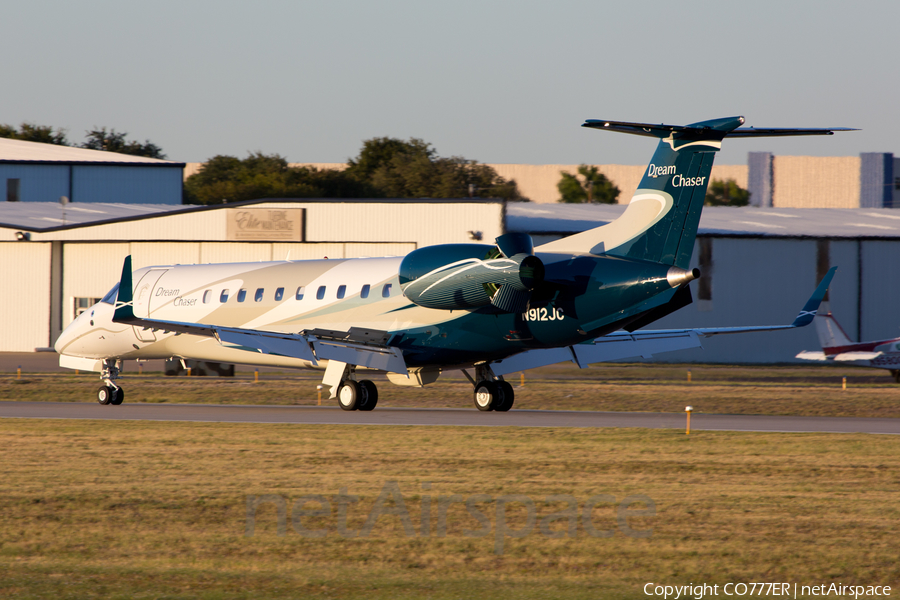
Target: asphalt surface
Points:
(329, 415)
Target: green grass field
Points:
(159, 510)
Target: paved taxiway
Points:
(330, 415)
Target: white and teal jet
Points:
(485, 309)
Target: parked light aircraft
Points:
(492, 309)
(837, 348)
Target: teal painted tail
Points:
(660, 223)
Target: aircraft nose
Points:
(65, 338)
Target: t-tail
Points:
(660, 223)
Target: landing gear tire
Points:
(487, 394)
(105, 394)
(349, 395)
(369, 395)
(118, 398)
(507, 396)
(896, 374)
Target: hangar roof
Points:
(526, 217)
(18, 151)
(53, 216)
(718, 221)
(36, 216)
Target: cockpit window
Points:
(110, 297)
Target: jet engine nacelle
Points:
(466, 276)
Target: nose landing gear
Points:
(109, 392)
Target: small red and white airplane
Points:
(837, 347)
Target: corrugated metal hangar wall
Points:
(766, 281)
(93, 183)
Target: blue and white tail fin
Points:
(660, 223)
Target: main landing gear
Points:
(357, 395)
(491, 393)
(109, 392)
(352, 394)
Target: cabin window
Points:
(259, 295)
(386, 291)
(279, 294)
(300, 291)
(242, 295)
(364, 292)
(342, 290)
(206, 296)
(223, 297)
(320, 293)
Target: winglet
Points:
(808, 313)
(125, 298)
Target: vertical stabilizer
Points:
(831, 335)
(660, 223)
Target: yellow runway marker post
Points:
(688, 410)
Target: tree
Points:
(114, 141)
(593, 186)
(379, 152)
(726, 193)
(230, 179)
(385, 168)
(412, 169)
(29, 132)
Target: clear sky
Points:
(498, 82)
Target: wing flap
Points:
(280, 344)
(383, 358)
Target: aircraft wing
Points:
(361, 347)
(622, 344)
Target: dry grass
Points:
(806, 391)
(158, 510)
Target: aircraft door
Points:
(143, 292)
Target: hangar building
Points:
(759, 265)
(33, 172)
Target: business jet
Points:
(488, 309)
(837, 348)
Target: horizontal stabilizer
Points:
(708, 130)
(854, 356)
